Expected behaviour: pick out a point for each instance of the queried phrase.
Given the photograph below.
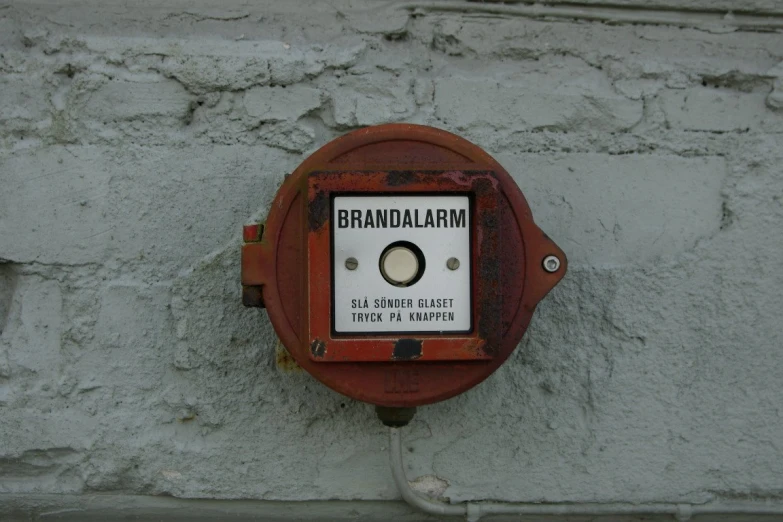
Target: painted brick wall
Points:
(136, 140)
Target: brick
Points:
(23, 104)
(129, 100)
(703, 109)
(168, 207)
(630, 209)
(130, 315)
(281, 103)
(357, 101)
(464, 102)
(202, 66)
(53, 206)
(33, 335)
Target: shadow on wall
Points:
(8, 279)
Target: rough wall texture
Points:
(135, 142)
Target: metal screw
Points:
(452, 263)
(551, 263)
(351, 263)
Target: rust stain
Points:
(284, 360)
(491, 296)
(397, 178)
(318, 213)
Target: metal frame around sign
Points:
(479, 343)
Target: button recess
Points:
(399, 265)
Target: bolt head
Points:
(551, 264)
(351, 263)
(452, 263)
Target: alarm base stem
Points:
(395, 417)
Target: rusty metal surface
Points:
(507, 246)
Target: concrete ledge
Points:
(101, 507)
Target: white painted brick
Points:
(33, 338)
(775, 97)
(359, 102)
(630, 209)
(213, 73)
(23, 104)
(281, 103)
(130, 315)
(462, 102)
(129, 100)
(202, 66)
(168, 206)
(53, 206)
(704, 109)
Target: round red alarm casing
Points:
(289, 264)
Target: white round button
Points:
(399, 265)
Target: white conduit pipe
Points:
(473, 511)
(762, 21)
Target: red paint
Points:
(252, 233)
(289, 259)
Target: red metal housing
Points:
(287, 265)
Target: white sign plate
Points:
(364, 301)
